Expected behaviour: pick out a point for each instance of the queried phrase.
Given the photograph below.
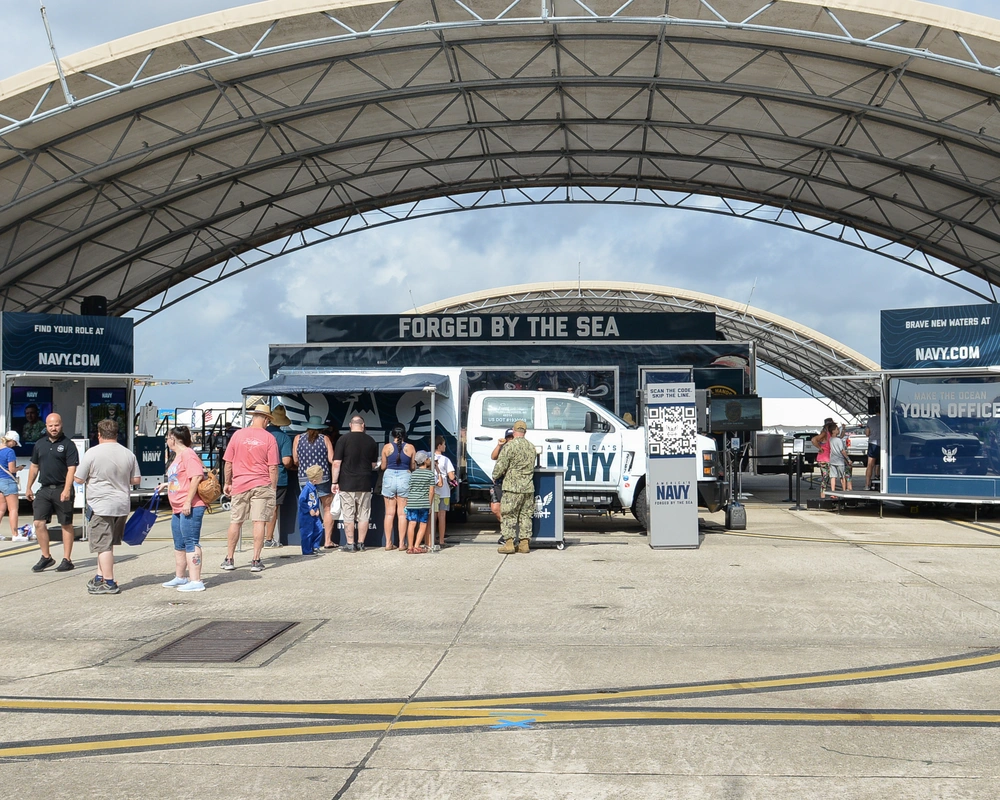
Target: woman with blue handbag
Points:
(183, 476)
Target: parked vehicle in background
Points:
(809, 453)
(857, 443)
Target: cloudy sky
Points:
(219, 337)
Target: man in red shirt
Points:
(251, 482)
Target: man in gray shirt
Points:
(108, 470)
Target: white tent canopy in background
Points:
(784, 413)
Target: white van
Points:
(603, 457)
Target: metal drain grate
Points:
(220, 642)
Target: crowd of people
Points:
(334, 479)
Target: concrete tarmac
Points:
(815, 654)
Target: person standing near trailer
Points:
(310, 512)
(445, 471)
(108, 469)
(355, 456)
(251, 481)
(54, 460)
(397, 464)
(279, 421)
(840, 460)
(874, 450)
(188, 509)
(516, 466)
(8, 480)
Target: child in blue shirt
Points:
(310, 513)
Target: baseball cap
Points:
(420, 458)
(508, 434)
(12, 436)
(521, 425)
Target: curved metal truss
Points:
(793, 352)
(203, 144)
(570, 195)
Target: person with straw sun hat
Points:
(279, 420)
(251, 481)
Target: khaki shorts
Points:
(355, 506)
(105, 533)
(256, 503)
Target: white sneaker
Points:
(19, 538)
(192, 586)
(174, 582)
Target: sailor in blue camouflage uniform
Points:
(516, 465)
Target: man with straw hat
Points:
(251, 481)
(279, 419)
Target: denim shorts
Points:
(418, 514)
(396, 483)
(187, 530)
(8, 487)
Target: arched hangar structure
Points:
(196, 150)
(800, 355)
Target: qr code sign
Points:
(672, 430)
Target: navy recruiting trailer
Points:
(945, 436)
(944, 428)
(61, 343)
(955, 336)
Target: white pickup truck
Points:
(603, 457)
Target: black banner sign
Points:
(480, 328)
(67, 343)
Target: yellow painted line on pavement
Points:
(169, 740)
(727, 715)
(261, 709)
(498, 720)
(453, 707)
(975, 526)
(797, 681)
(16, 551)
(866, 542)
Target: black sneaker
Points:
(347, 548)
(360, 547)
(43, 563)
(65, 565)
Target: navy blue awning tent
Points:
(349, 383)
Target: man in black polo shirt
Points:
(53, 461)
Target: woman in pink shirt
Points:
(822, 441)
(183, 476)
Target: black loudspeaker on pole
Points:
(94, 305)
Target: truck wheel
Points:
(640, 508)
